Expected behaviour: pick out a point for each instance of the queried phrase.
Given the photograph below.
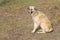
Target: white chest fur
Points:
(36, 19)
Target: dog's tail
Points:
(51, 30)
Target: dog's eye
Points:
(31, 9)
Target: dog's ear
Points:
(28, 8)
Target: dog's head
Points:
(31, 9)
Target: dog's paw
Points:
(33, 31)
(41, 32)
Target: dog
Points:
(40, 20)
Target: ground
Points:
(17, 24)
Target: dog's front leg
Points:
(35, 27)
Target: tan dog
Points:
(40, 19)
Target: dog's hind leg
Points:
(43, 28)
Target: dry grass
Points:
(17, 24)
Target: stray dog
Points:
(40, 20)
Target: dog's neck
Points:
(35, 13)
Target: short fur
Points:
(40, 19)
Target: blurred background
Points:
(17, 24)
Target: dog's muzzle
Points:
(30, 11)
